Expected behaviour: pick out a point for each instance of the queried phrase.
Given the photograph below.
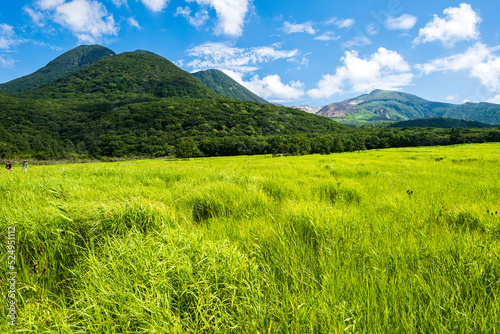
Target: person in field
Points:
(25, 166)
(8, 166)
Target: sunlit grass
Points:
(383, 241)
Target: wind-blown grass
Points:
(383, 241)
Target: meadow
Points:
(381, 241)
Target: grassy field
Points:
(382, 241)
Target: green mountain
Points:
(383, 105)
(65, 64)
(127, 74)
(439, 122)
(224, 85)
(140, 104)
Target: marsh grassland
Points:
(382, 241)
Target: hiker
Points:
(25, 166)
(8, 166)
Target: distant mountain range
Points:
(383, 105)
(137, 74)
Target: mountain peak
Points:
(67, 63)
(129, 73)
(224, 85)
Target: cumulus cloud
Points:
(197, 20)
(240, 63)
(463, 61)
(88, 20)
(459, 23)
(223, 56)
(270, 87)
(230, 13)
(479, 60)
(155, 5)
(385, 69)
(293, 28)
(404, 22)
(495, 99)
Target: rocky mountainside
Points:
(383, 105)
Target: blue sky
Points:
(291, 52)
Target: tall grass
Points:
(384, 241)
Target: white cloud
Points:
(230, 13)
(155, 5)
(270, 87)
(36, 17)
(293, 28)
(357, 41)
(495, 99)
(49, 4)
(6, 30)
(488, 73)
(460, 23)
(385, 69)
(88, 20)
(345, 23)
(479, 60)
(226, 57)
(463, 61)
(6, 61)
(404, 22)
(197, 20)
(119, 3)
(327, 36)
(133, 23)
(7, 37)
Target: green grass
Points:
(382, 241)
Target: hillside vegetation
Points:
(127, 74)
(224, 85)
(140, 104)
(382, 105)
(386, 241)
(67, 63)
(440, 122)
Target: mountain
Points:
(127, 74)
(224, 85)
(67, 63)
(311, 110)
(140, 104)
(383, 105)
(439, 122)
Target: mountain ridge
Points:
(67, 63)
(224, 85)
(384, 105)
